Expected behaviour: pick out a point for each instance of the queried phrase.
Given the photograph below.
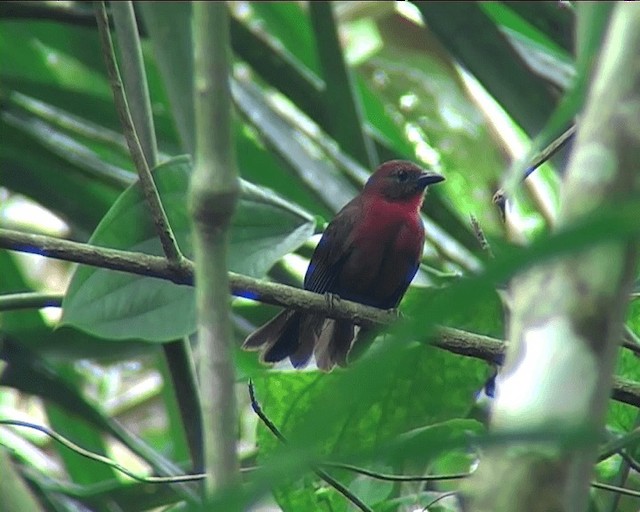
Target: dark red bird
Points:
(369, 253)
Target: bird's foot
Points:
(331, 299)
(396, 312)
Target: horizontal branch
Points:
(453, 340)
(113, 259)
(182, 273)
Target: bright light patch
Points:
(552, 382)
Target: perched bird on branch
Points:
(369, 253)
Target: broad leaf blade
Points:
(118, 306)
(349, 416)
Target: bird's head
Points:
(398, 180)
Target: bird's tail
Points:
(333, 343)
(298, 335)
(289, 334)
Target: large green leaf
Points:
(53, 54)
(288, 22)
(347, 415)
(169, 28)
(344, 117)
(485, 52)
(119, 306)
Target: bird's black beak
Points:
(429, 178)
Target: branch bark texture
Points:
(567, 315)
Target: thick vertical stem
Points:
(213, 196)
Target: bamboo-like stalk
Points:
(213, 194)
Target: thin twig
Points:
(257, 408)
(165, 234)
(436, 500)
(30, 300)
(500, 196)
(255, 405)
(479, 233)
(633, 463)
(615, 446)
(621, 446)
(631, 340)
(632, 346)
(396, 478)
(101, 458)
(614, 488)
(135, 78)
(550, 150)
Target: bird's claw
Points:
(396, 312)
(331, 300)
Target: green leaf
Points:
(50, 53)
(284, 55)
(484, 51)
(289, 23)
(530, 25)
(169, 26)
(370, 411)
(555, 21)
(53, 137)
(119, 306)
(29, 173)
(132, 497)
(341, 101)
(350, 415)
(592, 22)
(293, 148)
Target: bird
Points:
(369, 253)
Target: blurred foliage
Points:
(458, 87)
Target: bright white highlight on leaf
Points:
(531, 395)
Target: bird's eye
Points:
(402, 175)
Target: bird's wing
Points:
(395, 299)
(332, 251)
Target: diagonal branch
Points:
(135, 78)
(167, 238)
